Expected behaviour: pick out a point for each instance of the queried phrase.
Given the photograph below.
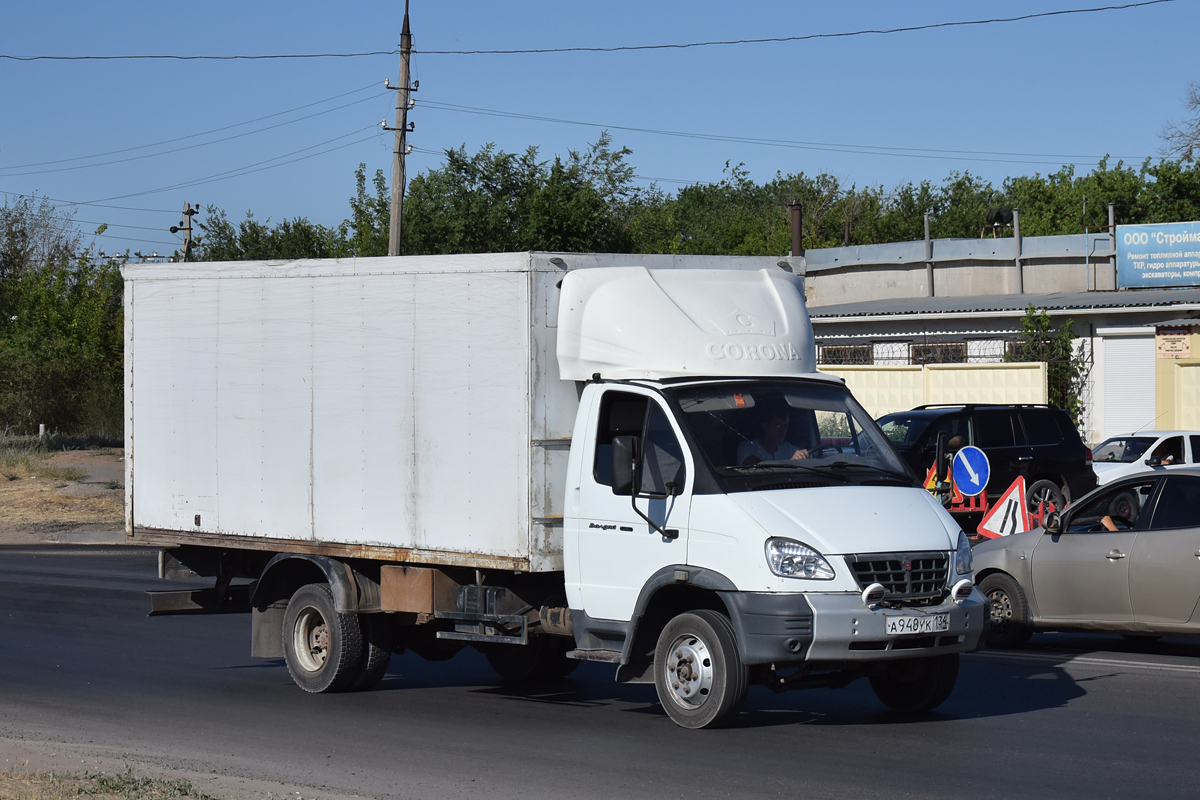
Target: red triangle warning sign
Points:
(1008, 515)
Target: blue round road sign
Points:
(971, 470)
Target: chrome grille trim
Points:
(927, 573)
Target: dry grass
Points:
(19, 785)
(29, 496)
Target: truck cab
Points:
(753, 527)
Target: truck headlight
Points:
(962, 556)
(788, 558)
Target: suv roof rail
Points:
(967, 406)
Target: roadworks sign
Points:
(1008, 515)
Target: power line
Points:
(249, 169)
(836, 147)
(82, 203)
(188, 147)
(194, 135)
(612, 49)
(804, 38)
(199, 58)
(115, 225)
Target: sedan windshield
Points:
(1123, 449)
(813, 431)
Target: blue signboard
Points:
(1158, 255)
(971, 471)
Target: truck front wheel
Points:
(917, 684)
(322, 647)
(698, 671)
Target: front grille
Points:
(907, 576)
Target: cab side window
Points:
(662, 458)
(1179, 504)
(621, 414)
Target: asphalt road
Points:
(81, 665)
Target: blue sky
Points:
(1033, 94)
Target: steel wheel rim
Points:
(310, 639)
(1000, 608)
(689, 672)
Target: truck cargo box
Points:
(405, 408)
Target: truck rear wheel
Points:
(322, 647)
(698, 672)
(917, 684)
(377, 650)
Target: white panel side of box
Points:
(174, 377)
(472, 413)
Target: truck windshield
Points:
(811, 433)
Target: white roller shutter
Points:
(1128, 381)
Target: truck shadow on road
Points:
(988, 686)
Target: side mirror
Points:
(1153, 461)
(1052, 524)
(940, 459)
(625, 450)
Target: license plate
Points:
(900, 625)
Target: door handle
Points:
(1024, 458)
(1114, 555)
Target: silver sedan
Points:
(1123, 558)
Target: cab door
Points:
(618, 549)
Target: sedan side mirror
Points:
(625, 459)
(1052, 524)
(1153, 461)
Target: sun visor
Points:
(633, 322)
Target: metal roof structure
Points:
(1012, 305)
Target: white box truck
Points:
(547, 457)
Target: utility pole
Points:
(185, 225)
(402, 128)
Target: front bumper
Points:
(793, 629)
(846, 630)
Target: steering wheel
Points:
(1117, 520)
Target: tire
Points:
(1044, 491)
(917, 684)
(544, 658)
(698, 671)
(1007, 622)
(323, 648)
(377, 651)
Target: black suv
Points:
(1038, 442)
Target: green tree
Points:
(250, 240)
(61, 328)
(368, 229)
(494, 201)
(1066, 365)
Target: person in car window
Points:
(772, 445)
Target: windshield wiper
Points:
(787, 465)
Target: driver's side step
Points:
(606, 656)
